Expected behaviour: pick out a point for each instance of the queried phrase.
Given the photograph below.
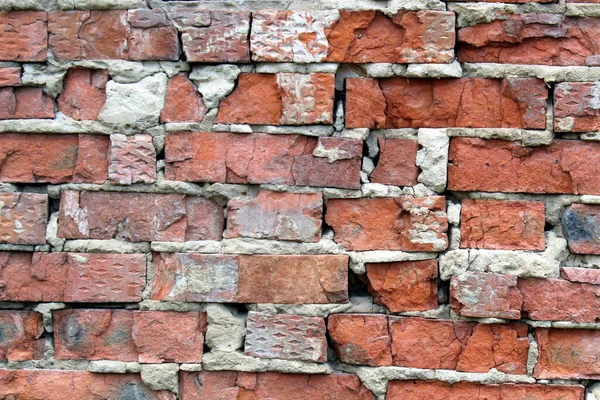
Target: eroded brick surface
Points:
(576, 107)
(23, 218)
(25, 103)
(20, 336)
(567, 354)
(10, 76)
(397, 162)
(580, 224)
(83, 94)
(183, 103)
(24, 36)
(132, 159)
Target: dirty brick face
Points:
(244, 200)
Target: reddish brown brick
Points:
(25, 103)
(275, 215)
(42, 384)
(583, 275)
(138, 217)
(397, 162)
(260, 158)
(36, 158)
(502, 225)
(365, 104)
(125, 335)
(580, 224)
(567, 354)
(566, 166)
(20, 336)
(83, 94)
(576, 106)
(360, 338)
(24, 36)
(404, 286)
(250, 279)
(270, 386)
(10, 76)
(23, 218)
(183, 103)
(152, 36)
(401, 223)
(132, 159)
(437, 390)
(547, 39)
(289, 337)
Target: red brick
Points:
(547, 39)
(566, 166)
(83, 94)
(226, 385)
(125, 335)
(20, 336)
(580, 224)
(183, 103)
(365, 104)
(401, 223)
(502, 225)
(436, 390)
(23, 35)
(280, 99)
(132, 159)
(583, 275)
(37, 158)
(72, 277)
(464, 346)
(559, 300)
(404, 286)
(23, 218)
(288, 337)
(567, 354)
(486, 295)
(441, 103)
(260, 158)
(250, 279)
(10, 76)
(138, 217)
(576, 107)
(152, 36)
(397, 162)
(54, 384)
(360, 338)
(25, 103)
(275, 215)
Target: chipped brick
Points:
(132, 159)
(23, 218)
(20, 336)
(84, 93)
(397, 162)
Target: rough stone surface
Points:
(502, 225)
(397, 162)
(566, 166)
(24, 36)
(20, 337)
(278, 216)
(183, 103)
(580, 226)
(84, 93)
(25, 103)
(289, 337)
(132, 159)
(23, 218)
(567, 354)
(214, 82)
(361, 338)
(402, 223)
(404, 286)
(138, 217)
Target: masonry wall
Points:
(360, 199)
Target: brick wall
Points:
(275, 200)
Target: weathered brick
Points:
(547, 39)
(486, 295)
(280, 99)
(502, 225)
(567, 354)
(260, 158)
(183, 103)
(72, 277)
(20, 336)
(576, 107)
(437, 390)
(24, 36)
(464, 346)
(36, 158)
(404, 286)
(289, 337)
(224, 385)
(353, 36)
(138, 217)
(126, 335)
(152, 36)
(397, 162)
(25, 103)
(55, 384)
(10, 76)
(83, 94)
(566, 166)
(250, 279)
(23, 218)
(464, 102)
(132, 159)
(583, 275)
(277, 215)
(580, 224)
(360, 338)
(365, 104)
(401, 223)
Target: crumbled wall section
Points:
(324, 200)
